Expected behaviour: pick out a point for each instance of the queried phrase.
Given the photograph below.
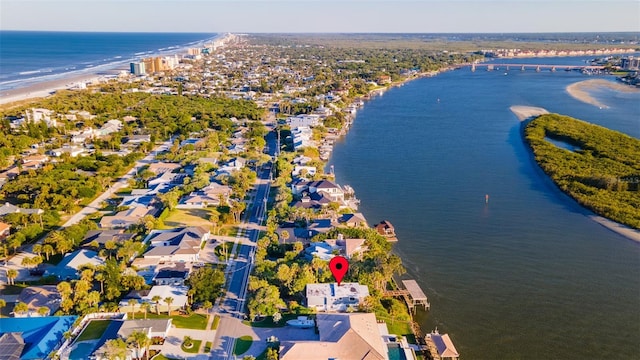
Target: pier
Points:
(412, 294)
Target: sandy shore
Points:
(581, 90)
(525, 112)
(44, 89)
(623, 230)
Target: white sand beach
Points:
(45, 89)
(581, 90)
(525, 112)
(623, 230)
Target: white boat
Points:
(301, 322)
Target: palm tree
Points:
(168, 300)
(140, 340)
(145, 308)
(3, 303)
(100, 278)
(156, 299)
(43, 311)
(206, 306)
(47, 249)
(20, 308)
(11, 275)
(132, 303)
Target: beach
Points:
(46, 88)
(526, 112)
(582, 90)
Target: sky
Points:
(344, 16)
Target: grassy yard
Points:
(162, 357)
(12, 289)
(188, 217)
(267, 322)
(207, 347)
(216, 322)
(243, 344)
(194, 349)
(193, 321)
(222, 248)
(398, 327)
(94, 330)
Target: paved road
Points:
(239, 270)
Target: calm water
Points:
(28, 57)
(526, 276)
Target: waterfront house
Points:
(385, 229)
(333, 298)
(353, 220)
(441, 347)
(341, 336)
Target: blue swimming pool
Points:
(83, 350)
(395, 352)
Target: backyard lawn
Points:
(188, 217)
(193, 321)
(94, 330)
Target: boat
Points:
(302, 322)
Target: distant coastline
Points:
(528, 113)
(19, 90)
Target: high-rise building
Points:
(137, 68)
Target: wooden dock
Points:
(412, 294)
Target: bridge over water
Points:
(536, 67)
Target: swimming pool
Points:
(395, 352)
(82, 350)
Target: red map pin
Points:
(338, 266)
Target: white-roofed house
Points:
(333, 298)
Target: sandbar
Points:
(525, 112)
(581, 90)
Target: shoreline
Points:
(528, 113)
(46, 88)
(581, 90)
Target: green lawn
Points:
(162, 357)
(193, 321)
(13, 289)
(216, 322)
(194, 349)
(188, 217)
(267, 322)
(207, 347)
(220, 250)
(243, 344)
(94, 330)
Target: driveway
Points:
(233, 328)
(172, 344)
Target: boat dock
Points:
(412, 295)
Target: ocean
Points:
(28, 57)
(526, 275)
